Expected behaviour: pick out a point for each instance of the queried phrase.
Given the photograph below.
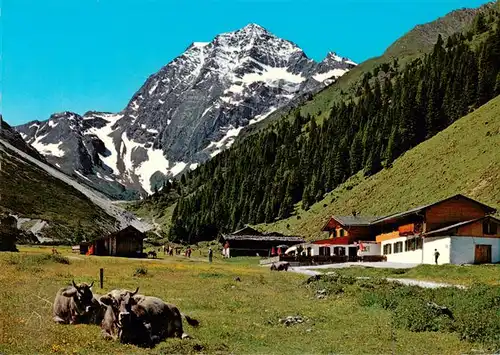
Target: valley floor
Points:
(235, 317)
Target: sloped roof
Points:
(460, 224)
(277, 238)
(246, 231)
(424, 207)
(129, 229)
(355, 220)
(351, 221)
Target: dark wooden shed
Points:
(127, 242)
(250, 242)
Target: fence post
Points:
(101, 277)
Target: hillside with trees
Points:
(295, 161)
(464, 158)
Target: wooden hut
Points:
(127, 242)
(250, 242)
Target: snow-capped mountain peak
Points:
(186, 113)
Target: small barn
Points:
(127, 242)
(250, 242)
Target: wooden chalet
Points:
(127, 242)
(459, 228)
(349, 229)
(250, 242)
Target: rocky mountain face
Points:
(186, 113)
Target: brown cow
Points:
(96, 312)
(143, 320)
(72, 303)
(280, 266)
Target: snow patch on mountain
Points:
(104, 135)
(178, 168)
(261, 117)
(156, 161)
(329, 74)
(48, 149)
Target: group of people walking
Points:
(168, 250)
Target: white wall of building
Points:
(373, 249)
(463, 249)
(414, 256)
(452, 250)
(443, 246)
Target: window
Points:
(419, 242)
(324, 251)
(412, 244)
(490, 227)
(398, 247)
(342, 232)
(387, 249)
(339, 251)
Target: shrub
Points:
(140, 271)
(483, 327)
(415, 315)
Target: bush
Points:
(483, 327)
(477, 315)
(415, 315)
(140, 271)
(475, 311)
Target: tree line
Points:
(298, 160)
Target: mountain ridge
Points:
(184, 114)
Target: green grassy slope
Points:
(464, 158)
(423, 37)
(160, 217)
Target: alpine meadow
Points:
(171, 184)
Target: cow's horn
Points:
(74, 284)
(92, 284)
(133, 293)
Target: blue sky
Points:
(80, 55)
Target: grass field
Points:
(236, 317)
(464, 158)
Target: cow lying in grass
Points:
(279, 266)
(141, 320)
(73, 303)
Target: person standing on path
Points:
(210, 253)
(436, 256)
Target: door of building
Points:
(482, 254)
(353, 253)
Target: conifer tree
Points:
(497, 85)
(356, 155)
(307, 199)
(479, 24)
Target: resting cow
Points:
(96, 312)
(141, 320)
(73, 303)
(279, 266)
